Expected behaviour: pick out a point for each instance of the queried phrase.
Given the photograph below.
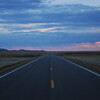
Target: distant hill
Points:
(2, 49)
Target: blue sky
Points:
(50, 24)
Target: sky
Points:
(55, 25)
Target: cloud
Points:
(75, 8)
(48, 27)
(52, 29)
(2, 20)
(55, 22)
(75, 14)
(4, 31)
(82, 30)
(88, 45)
(32, 27)
(65, 47)
(20, 1)
(86, 2)
(19, 4)
(76, 47)
(83, 46)
(32, 24)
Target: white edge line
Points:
(81, 67)
(1, 76)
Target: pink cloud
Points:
(84, 46)
(67, 47)
(77, 47)
(4, 31)
(47, 29)
(52, 29)
(90, 45)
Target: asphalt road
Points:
(50, 78)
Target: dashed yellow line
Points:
(52, 84)
(51, 68)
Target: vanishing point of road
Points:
(50, 78)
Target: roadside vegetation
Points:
(89, 60)
(13, 59)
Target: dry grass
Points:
(11, 60)
(4, 61)
(20, 54)
(89, 61)
(14, 65)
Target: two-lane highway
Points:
(73, 82)
(50, 78)
(29, 83)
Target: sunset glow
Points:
(60, 25)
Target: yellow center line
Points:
(51, 68)
(52, 84)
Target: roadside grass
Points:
(12, 60)
(91, 62)
(21, 54)
(10, 67)
(4, 61)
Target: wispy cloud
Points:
(82, 30)
(83, 46)
(4, 31)
(76, 47)
(66, 47)
(55, 22)
(32, 27)
(88, 45)
(2, 20)
(52, 29)
(47, 27)
(86, 2)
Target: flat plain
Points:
(86, 59)
(13, 59)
